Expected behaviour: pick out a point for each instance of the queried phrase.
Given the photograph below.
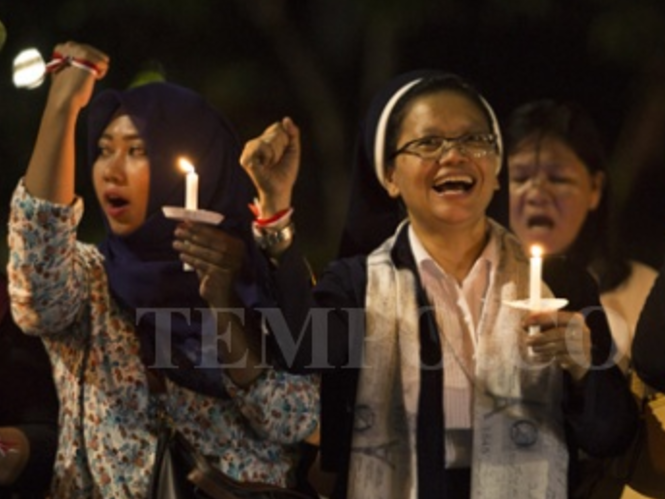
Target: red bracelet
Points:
(58, 60)
(263, 222)
(275, 218)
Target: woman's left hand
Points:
(563, 338)
(215, 256)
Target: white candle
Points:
(535, 277)
(191, 185)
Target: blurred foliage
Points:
(151, 72)
(320, 62)
(3, 35)
(630, 31)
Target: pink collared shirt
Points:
(458, 338)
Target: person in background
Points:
(560, 199)
(116, 362)
(431, 386)
(28, 411)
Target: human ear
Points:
(389, 184)
(597, 183)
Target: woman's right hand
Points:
(272, 160)
(50, 173)
(71, 86)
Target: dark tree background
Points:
(319, 61)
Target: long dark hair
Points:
(595, 247)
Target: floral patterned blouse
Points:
(59, 291)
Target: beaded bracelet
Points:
(269, 238)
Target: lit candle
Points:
(535, 277)
(191, 186)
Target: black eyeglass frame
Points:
(447, 144)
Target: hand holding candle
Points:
(535, 301)
(191, 212)
(191, 185)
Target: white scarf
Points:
(519, 449)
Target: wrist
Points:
(274, 239)
(273, 233)
(269, 206)
(62, 109)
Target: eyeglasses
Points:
(476, 145)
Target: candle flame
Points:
(536, 250)
(185, 165)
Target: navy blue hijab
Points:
(143, 269)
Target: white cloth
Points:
(519, 446)
(623, 305)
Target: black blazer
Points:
(601, 415)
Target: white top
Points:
(623, 305)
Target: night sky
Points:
(319, 62)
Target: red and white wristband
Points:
(59, 60)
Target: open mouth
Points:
(454, 184)
(540, 222)
(115, 203)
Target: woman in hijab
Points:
(429, 388)
(128, 330)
